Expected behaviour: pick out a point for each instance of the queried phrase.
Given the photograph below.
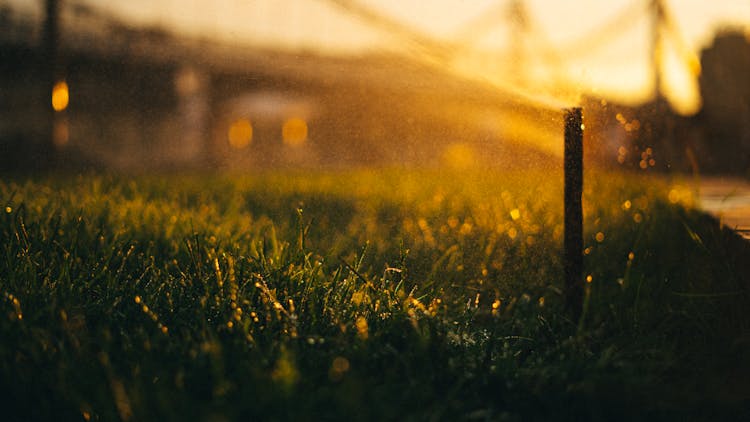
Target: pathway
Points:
(729, 200)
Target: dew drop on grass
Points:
(339, 367)
(340, 364)
(512, 232)
(362, 328)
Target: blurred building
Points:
(725, 117)
(652, 136)
(143, 99)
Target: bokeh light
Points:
(240, 134)
(60, 96)
(294, 131)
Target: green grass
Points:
(388, 295)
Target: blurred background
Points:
(246, 85)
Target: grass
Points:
(383, 295)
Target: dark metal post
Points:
(573, 242)
(50, 74)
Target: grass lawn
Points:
(365, 295)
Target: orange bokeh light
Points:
(240, 134)
(60, 96)
(294, 131)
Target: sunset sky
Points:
(613, 60)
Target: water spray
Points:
(573, 224)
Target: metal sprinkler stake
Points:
(573, 242)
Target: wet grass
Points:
(385, 295)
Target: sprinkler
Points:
(573, 216)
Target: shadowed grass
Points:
(367, 295)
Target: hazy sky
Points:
(614, 62)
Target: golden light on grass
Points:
(674, 196)
(240, 134)
(496, 307)
(16, 306)
(60, 96)
(680, 195)
(294, 131)
(362, 328)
